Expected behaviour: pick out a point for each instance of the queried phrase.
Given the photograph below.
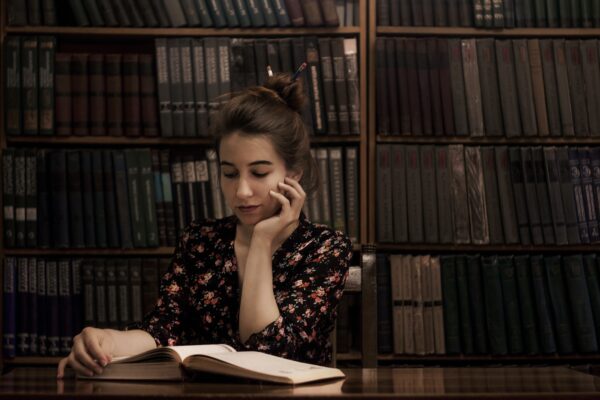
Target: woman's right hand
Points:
(92, 350)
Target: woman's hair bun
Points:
(288, 90)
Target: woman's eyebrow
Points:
(258, 162)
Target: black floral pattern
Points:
(200, 296)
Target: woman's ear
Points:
(296, 175)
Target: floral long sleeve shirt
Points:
(200, 296)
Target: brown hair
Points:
(273, 111)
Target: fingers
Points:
(296, 185)
(92, 344)
(60, 371)
(78, 367)
(81, 353)
(285, 202)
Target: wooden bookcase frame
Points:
(375, 139)
(68, 33)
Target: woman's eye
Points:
(230, 175)
(259, 175)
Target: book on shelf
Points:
(182, 13)
(172, 362)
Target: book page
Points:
(186, 351)
(266, 364)
(173, 352)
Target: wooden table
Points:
(501, 382)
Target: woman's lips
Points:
(247, 209)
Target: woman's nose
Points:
(243, 189)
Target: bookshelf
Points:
(407, 138)
(75, 39)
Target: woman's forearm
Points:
(258, 307)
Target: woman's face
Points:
(250, 168)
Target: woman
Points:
(264, 279)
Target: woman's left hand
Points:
(272, 229)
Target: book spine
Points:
(511, 305)
(429, 193)
(337, 179)
(424, 86)
(312, 13)
(123, 292)
(12, 86)
(80, 94)
(46, 51)
(123, 198)
(135, 269)
(399, 193)
(165, 175)
(492, 197)
(42, 307)
(444, 206)
(341, 93)
(49, 12)
(508, 88)
(199, 80)
(403, 87)
(65, 302)
(579, 195)
(164, 92)
(8, 197)
(176, 88)
(450, 301)
(490, 92)
(29, 85)
(567, 191)
(75, 196)
(588, 193)
(415, 196)
(99, 268)
(114, 94)
(88, 287)
(459, 195)
(537, 83)
(53, 308)
(526, 304)
(458, 88)
(533, 211)
(112, 301)
(577, 87)
(315, 86)
(543, 195)
(476, 196)
(554, 191)
(466, 326)
(476, 298)
(76, 296)
(550, 87)
(97, 95)
(9, 307)
(147, 192)
(562, 84)
(559, 304)
(494, 305)
(324, 194)
(31, 196)
(132, 162)
(294, 10)
(524, 89)
(352, 190)
(159, 201)
(591, 73)
(132, 124)
(20, 197)
(148, 97)
(189, 112)
(326, 64)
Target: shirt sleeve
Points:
(167, 320)
(309, 308)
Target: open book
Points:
(171, 363)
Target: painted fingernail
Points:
(103, 362)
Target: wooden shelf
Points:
(108, 141)
(488, 140)
(31, 360)
(163, 32)
(111, 252)
(509, 248)
(514, 32)
(351, 356)
(548, 358)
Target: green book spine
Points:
(450, 302)
(464, 304)
(494, 306)
(477, 303)
(511, 304)
(135, 198)
(590, 264)
(148, 200)
(256, 15)
(559, 305)
(531, 343)
(581, 308)
(542, 306)
(552, 12)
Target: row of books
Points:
(488, 195)
(137, 198)
(196, 76)
(184, 13)
(488, 87)
(50, 93)
(491, 14)
(46, 301)
(336, 203)
(492, 304)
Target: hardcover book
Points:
(173, 362)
